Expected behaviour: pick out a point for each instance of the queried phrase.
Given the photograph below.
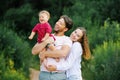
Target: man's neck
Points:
(59, 34)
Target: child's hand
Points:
(30, 37)
(43, 39)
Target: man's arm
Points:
(39, 47)
(63, 52)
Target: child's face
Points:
(43, 18)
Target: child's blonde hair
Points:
(46, 12)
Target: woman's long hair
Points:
(85, 44)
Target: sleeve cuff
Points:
(58, 67)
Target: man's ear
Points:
(66, 29)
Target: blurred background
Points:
(101, 18)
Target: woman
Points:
(79, 48)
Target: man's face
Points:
(60, 25)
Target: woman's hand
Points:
(51, 67)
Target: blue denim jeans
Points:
(74, 77)
(52, 75)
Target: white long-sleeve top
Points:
(73, 61)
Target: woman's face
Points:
(76, 35)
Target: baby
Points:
(43, 29)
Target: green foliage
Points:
(14, 47)
(108, 9)
(83, 13)
(110, 31)
(80, 14)
(15, 53)
(14, 75)
(105, 63)
(5, 5)
(20, 17)
(2, 65)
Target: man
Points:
(63, 45)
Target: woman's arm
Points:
(76, 51)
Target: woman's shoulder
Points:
(76, 48)
(76, 44)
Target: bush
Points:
(14, 75)
(15, 52)
(2, 65)
(21, 18)
(109, 31)
(14, 47)
(105, 63)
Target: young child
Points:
(43, 29)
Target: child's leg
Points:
(39, 55)
(51, 46)
(38, 47)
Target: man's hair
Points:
(68, 21)
(46, 12)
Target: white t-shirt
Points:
(73, 61)
(60, 40)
